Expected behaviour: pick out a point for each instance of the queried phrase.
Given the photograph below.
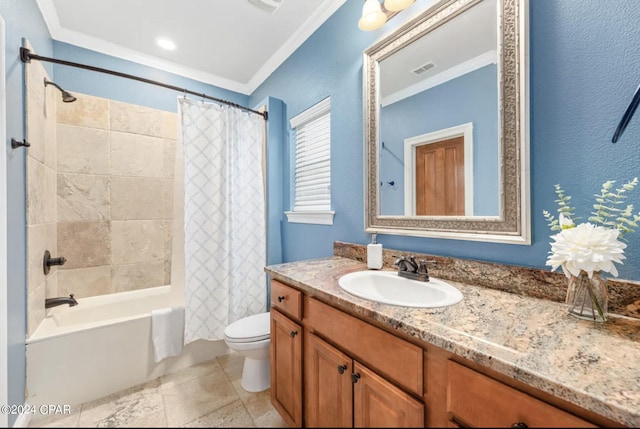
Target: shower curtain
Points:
(224, 219)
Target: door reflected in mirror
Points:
(439, 120)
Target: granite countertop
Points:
(593, 365)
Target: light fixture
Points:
(397, 5)
(165, 43)
(372, 16)
(270, 6)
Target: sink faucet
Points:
(52, 302)
(408, 268)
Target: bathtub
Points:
(101, 346)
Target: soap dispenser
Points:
(374, 254)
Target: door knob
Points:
(342, 368)
(355, 377)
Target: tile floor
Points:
(204, 395)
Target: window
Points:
(312, 194)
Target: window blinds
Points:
(313, 158)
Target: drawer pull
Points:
(280, 298)
(293, 333)
(342, 368)
(355, 377)
(519, 425)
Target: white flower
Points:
(565, 221)
(586, 247)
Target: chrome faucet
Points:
(52, 302)
(408, 268)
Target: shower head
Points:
(67, 97)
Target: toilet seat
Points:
(249, 329)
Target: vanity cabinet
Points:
(475, 400)
(286, 353)
(342, 392)
(358, 375)
(333, 369)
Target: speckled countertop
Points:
(595, 366)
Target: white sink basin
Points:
(389, 288)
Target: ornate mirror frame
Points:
(513, 224)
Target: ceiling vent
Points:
(423, 68)
(270, 6)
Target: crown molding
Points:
(58, 33)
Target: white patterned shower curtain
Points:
(224, 218)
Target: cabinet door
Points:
(378, 403)
(475, 400)
(286, 368)
(328, 386)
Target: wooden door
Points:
(440, 178)
(286, 368)
(328, 387)
(378, 403)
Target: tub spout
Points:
(52, 302)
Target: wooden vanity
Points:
(341, 361)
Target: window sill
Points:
(319, 217)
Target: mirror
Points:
(446, 124)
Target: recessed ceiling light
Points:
(165, 43)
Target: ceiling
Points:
(228, 43)
(467, 42)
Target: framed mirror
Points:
(446, 111)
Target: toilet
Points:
(250, 336)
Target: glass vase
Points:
(588, 298)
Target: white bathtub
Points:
(101, 346)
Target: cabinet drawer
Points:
(394, 357)
(286, 299)
(475, 400)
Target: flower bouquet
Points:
(586, 249)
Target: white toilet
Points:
(250, 336)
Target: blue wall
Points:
(22, 19)
(447, 105)
(585, 57)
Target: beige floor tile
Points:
(140, 406)
(57, 421)
(256, 403)
(270, 419)
(196, 371)
(197, 397)
(232, 415)
(232, 365)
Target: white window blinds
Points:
(312, 130)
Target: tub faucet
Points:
(52, 302)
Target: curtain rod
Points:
(26, 56)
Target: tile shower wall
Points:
(100, 192)
(115, 174)
(41, 190)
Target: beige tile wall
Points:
(40, 191)
(115, 186)
(100, 192)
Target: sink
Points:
(388, 288)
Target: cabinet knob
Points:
(355, 377)
(519, 425)
(342, 368)
(293, 333)
(280, 298)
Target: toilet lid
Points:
(250, 328)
